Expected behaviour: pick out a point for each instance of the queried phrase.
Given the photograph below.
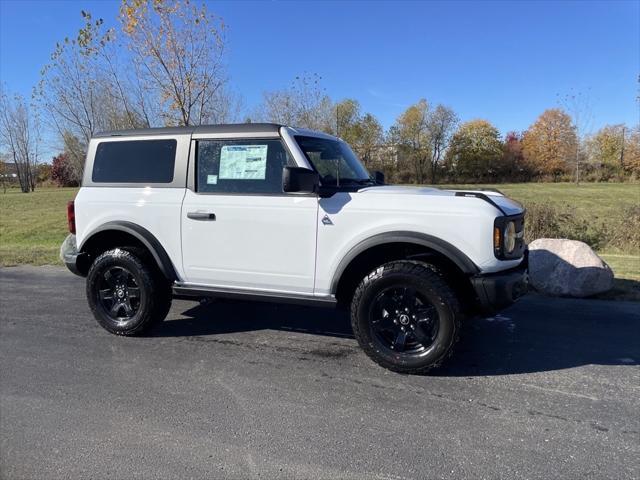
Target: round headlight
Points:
(510, 237)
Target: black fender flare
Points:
(147, 238)
(463, 262)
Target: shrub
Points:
(548, 221)
(624, 232)
(621, 231)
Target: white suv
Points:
(274, 213)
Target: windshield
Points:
(334, 161)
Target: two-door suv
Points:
(274, 213)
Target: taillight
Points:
(71, 217)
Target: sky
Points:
(502, 61)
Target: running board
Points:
(183, 290)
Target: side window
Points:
(134, 161)
(240, 166)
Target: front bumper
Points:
(71, 257)
(497, 291)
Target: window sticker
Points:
(212, 179)
(243, 162)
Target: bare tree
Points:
(20, 137)
(180, 49)
(304, 104)
(578, 105)
(83, 90)
(412, 137)
(441, 123)
(163, 68)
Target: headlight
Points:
(510, 237)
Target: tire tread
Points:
(438, 283)
(160, 297)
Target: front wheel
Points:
(126, 294)
(405, 316)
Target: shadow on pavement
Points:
(537, 334)
(227, 316)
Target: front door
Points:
(239, 230)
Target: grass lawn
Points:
(32, 226)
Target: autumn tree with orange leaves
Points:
(549, 145)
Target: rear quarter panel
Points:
(155, 209)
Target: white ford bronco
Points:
(274, 213)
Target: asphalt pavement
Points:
(548, 389)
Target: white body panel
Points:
(257, 242)
(465, 223)
(155, 209)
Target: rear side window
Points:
(135, 161)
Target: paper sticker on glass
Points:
(243, 162)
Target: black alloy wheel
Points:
(126, 292)
(119, 294)
(404, 320)
(405, 316)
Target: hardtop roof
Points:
(257, 128)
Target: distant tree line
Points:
(428, 143)
(164, 64)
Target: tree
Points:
(179, 48)
(441, 123)
(578, 105)
(20, 138)
(475, 152)
(81, 90)
(75, 150)
(549, 146)
(369, 140)
(348, 118)
(411, 135)
(62, 172)
(513, 163)
(44, 173)
(363, 132)
(606, 149)
(164, 66)
(304, 103)
(632, 151)
(4, 180)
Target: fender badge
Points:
(326, 220)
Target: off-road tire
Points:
(154, 291)
(426, 280)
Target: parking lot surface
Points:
(548, 389)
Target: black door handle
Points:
(201, 215)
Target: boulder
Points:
(568, 268)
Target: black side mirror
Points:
(378, 177)
(301, 180)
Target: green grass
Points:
(624, 266)
(33, 225)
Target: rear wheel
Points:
(405, 316)
(125, 293)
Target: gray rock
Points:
(567, 268)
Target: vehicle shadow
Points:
(229, 316)
(537, 334)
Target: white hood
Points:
(507, 205)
